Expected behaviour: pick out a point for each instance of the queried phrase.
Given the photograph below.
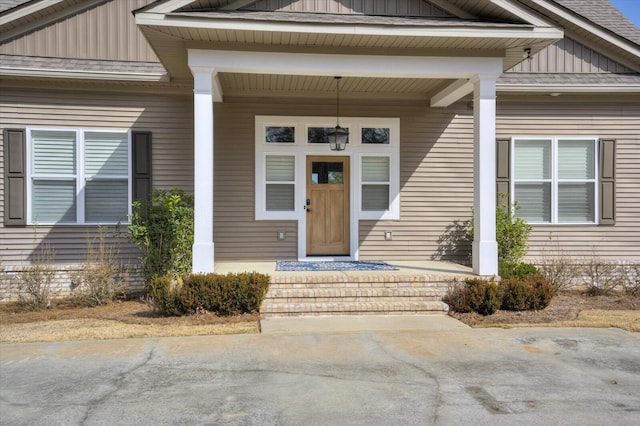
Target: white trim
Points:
(80, 178)
(522, 32)
(452, 9)
(237, 4)
(300, 149)
(316, 64)
(522, 12)
(568, 88)
(452, 93)
(40, 22)
(84, 75)
(554, 180)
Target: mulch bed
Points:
(564, 307)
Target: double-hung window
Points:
(78, 176)
(555, 179)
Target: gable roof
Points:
(605, 14)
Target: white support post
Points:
(485, 247)
(203, 252)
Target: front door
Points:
(327, 206)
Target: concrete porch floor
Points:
(405, 268)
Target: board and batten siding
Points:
(169, 117)
(369, 7)
(106, 31)
(569, 56)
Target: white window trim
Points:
(301, 149)
(555, 180)
(79, 176)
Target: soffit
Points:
(237, 84)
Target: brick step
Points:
(274, 309)
(440, 285)
(354, 294)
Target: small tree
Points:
(163, 230)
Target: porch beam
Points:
(330, 65)
(484, 246)
(203, 98)
(452, 93)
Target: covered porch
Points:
(234, 55)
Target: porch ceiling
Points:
(241, 84)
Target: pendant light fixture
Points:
(338, 137)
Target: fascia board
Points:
(345, 65)
(564, 88)
(166, 6)
(587, 25)
(47, 19)
(365, 30)
(27, 10)
(525, 14)
(83, 75)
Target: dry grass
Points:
(120, 320)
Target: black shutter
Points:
(503, 171)
(15, 178)
(141, 161)
(607, 182)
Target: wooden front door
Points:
(327, 206)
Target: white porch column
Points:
(203, 253)
(485, 247)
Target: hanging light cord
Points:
(338, 101)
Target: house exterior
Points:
(448, 103)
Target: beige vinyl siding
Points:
(436, 173)
(617, 120)
(107, 31)
(569, 56)
(375, 7)
(168, 117)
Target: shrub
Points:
(164, 291)
(35, 280)
(225, 295)
(558, 270)
(102, 278)
(519, 270)
(632, 280)
(600, 277)
(533, 292)
(163, 231)
(481, 296)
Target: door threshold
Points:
(326, 259)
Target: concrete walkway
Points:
(438, 377)
(359, 323)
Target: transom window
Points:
(78, 176)
(555, 179)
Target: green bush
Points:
(225, 295)
(163, 231)
(478, 295)
(519, 270)
(165, 294)
(533, 292)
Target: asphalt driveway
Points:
(463, 376)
